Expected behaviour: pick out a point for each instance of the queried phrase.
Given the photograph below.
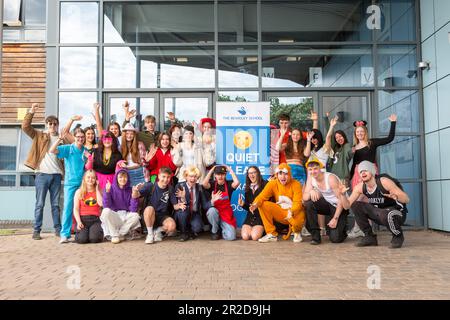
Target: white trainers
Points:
(305, 232)
(115, 240)
(150, 238)
(268, 238)
(158, 236)
(297, 237)
(63, 240)
(355, 233)
(323, 232)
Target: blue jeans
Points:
(44, 183)
(69, 193)
(228, 231)
(136, 176)
(195, 224)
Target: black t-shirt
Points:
(159, 199)
(212, 183)
(110, 166)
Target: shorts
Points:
(160, 218)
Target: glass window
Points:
(11, 35)
(174, 67)
(405, 104)
(237, 21)
(158, 22)
(8, 149)
(239, 96)
(11, 11)
(238, 67)
(319, 20)
(298, 108)
(7, 180)
(336, 66)
(415, 213)
(35, 11)
(27, 180)
(34, 35)
(398, 20)
(78, 67)
(25, 147)
(76, 103)
(401, 158)
(79, 22)
(397, 66)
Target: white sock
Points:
(150, 230)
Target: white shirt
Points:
(50, 163)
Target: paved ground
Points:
(203, 269)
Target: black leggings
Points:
(321, 206)
(390, 217)
(92, 231)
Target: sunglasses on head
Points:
(278, 171)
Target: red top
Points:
(89, 206)
(159, 160)
(282, 156)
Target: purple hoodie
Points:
(120, 199)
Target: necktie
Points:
(191, 203)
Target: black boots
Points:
(368, 240)
(397, 241)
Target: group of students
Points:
(129, 181)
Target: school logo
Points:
(243, 140)
(242, 111)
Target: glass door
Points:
(348, 106)
(186, 107)
(143, 103)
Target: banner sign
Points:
(243, 140)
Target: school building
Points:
(361, 59)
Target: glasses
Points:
(107, 140)
(52, 123)
(252, 172)
(79, 137)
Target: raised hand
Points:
(334, 121)
(34, 107)
(314, 116)
(171, 116)
(310, 135)
(241, 202)
(76, 118)
(283, 132)
(390, 195)
(108, 186)
(216, 196)
(343, 188)
(392, 118)
(151, 153)
(62, 135)
(180, 193)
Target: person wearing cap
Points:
(321, 197)
(287, 210)
(133, 152)
(386, 204)
(220, 214)
(188, 153)
(365, 149)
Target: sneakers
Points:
(158, 236)
(183, 237)
(36, 235)
(367, 241)
(150, 238)
(305, 232)
(297, 237)
(268, 238)
(356, 232)
(58, 233)
(64, 240)
(315, 242)
(115, 240)
(108, 238)
(215, 236)
(323, 231)
(397, 241)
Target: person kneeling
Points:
(157, 207)
(87, 203)
(120, 208)
(288, 210)
(386, 206)
(189, 220)
(321, 196)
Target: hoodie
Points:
(120, 198)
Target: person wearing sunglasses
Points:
(46, 165)
(87, 210)
(287, 210)
(104, 159)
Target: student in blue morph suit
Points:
(74, 157)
